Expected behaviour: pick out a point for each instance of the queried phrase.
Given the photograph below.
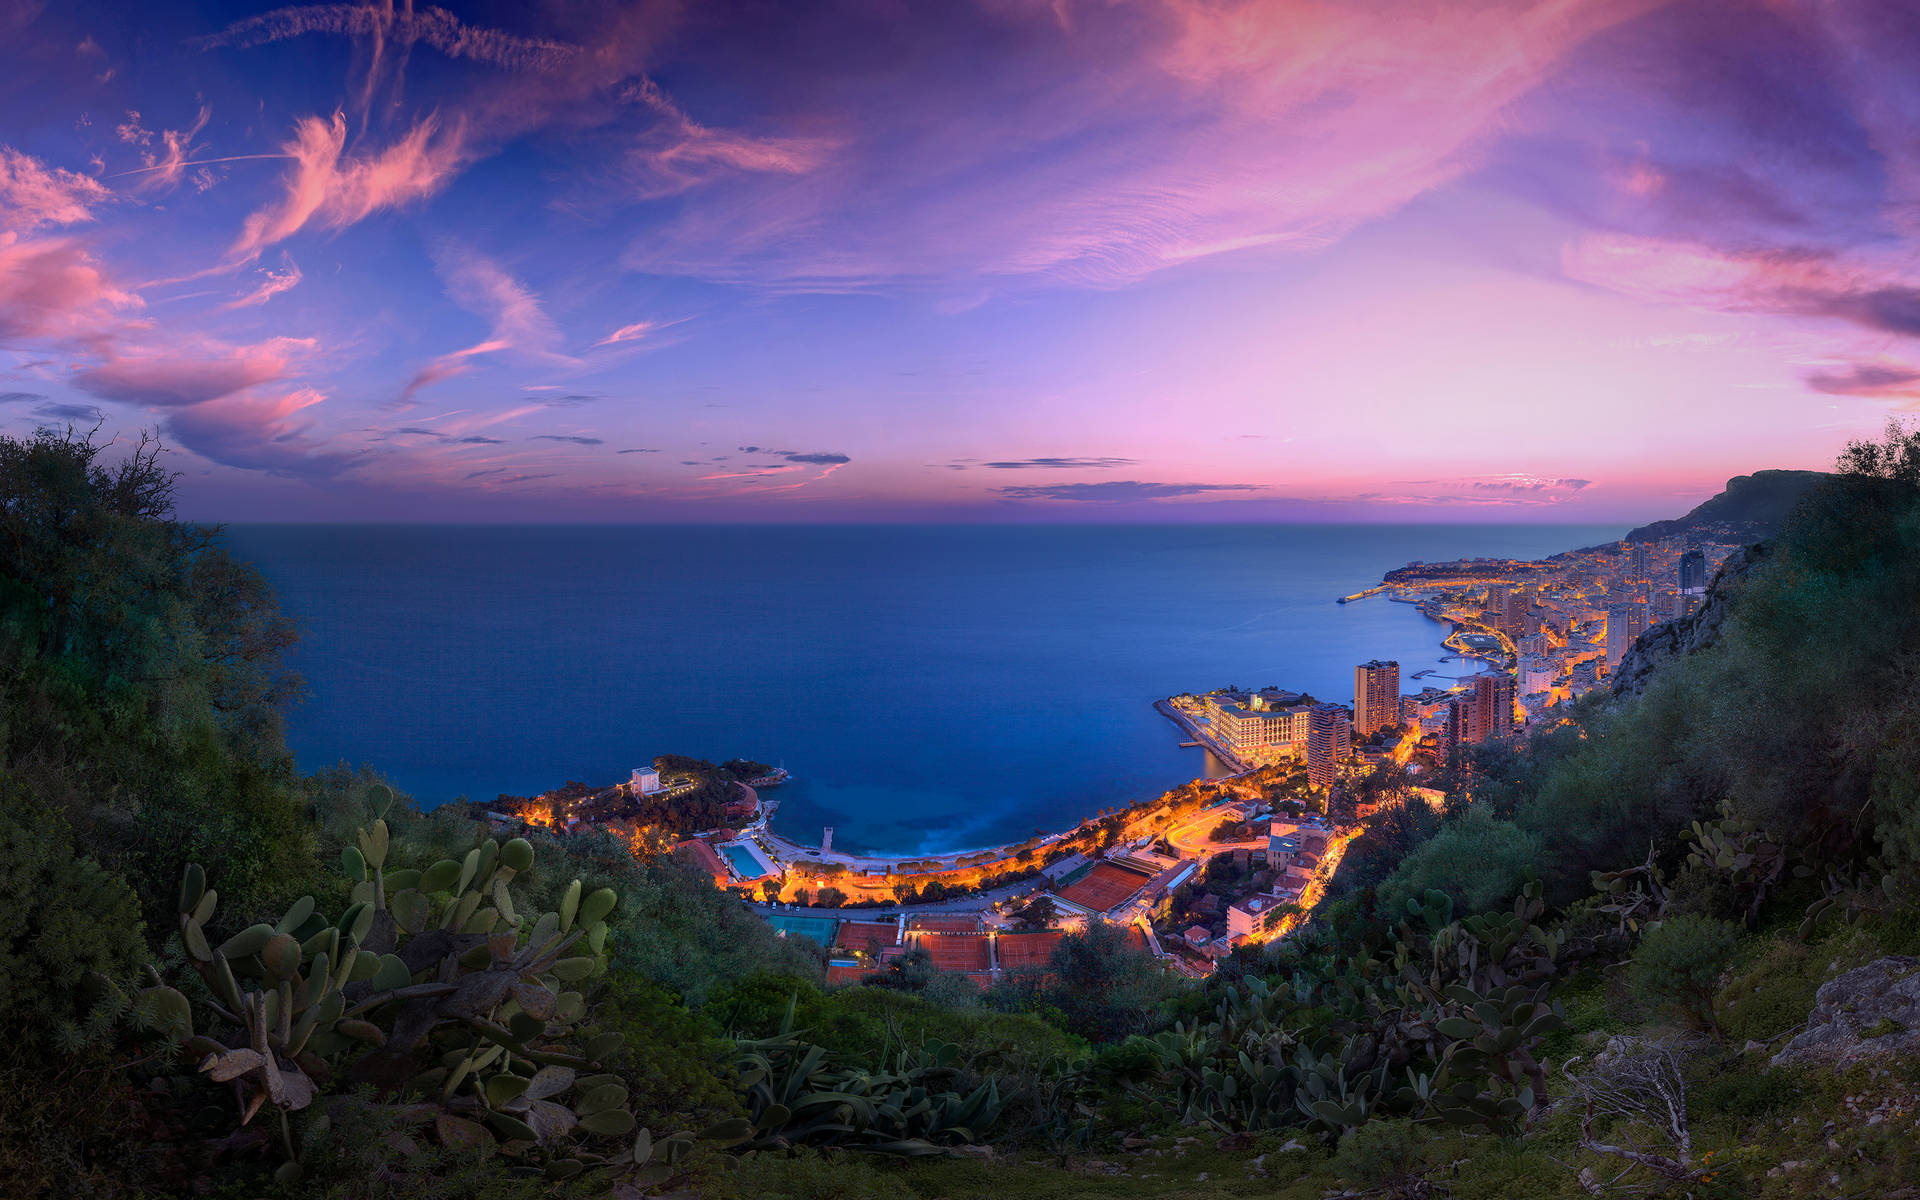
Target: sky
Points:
(1085, 260)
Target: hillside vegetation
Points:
(228, 979)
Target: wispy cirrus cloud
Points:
(1189, 130)
(397, 28)
(272, 283)
(329, 188)
(164, 169)
(678, 153)
(517, 321)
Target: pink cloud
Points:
(164, 171)
(170, 379)
(518, 321)
(33, 194)
(272, 284)
(331, 189)
(1802, 283)
(260, 433)
(54, 288)
(680, 153)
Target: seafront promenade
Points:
(1167, 709)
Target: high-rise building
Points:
(1492, 701)
(1637, 555)
(1693, 572)
(1625, 623)
(1496, 596)
(1376, 696)
(1517, 614)
(1329, 740)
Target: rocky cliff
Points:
(1676, 639)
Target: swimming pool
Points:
(820, 929)
(745, 865)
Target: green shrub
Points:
(1379, 1154)
(1479, 861)
(71, 926)
(1678, 966)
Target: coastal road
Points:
(959, 905)
(1189, 838)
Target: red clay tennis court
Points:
(846, 973)
(947, 924)
(955, 951)
(864, 935)
(1027, 949)
(1105, 887)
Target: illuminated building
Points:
(1625, 623)
(1376, 696)
(1492, 703)
(1329, 740)
(1256, 724)
(1516, 614)
(1693, 573)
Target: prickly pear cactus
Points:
(464, 1015)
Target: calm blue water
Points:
(929, 687)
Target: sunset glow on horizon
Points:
(1086, 260)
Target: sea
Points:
(927, 687)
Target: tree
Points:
(141, 681)
(1039, 912)
(1895, 456)
(830, 897)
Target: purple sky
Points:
(1085, 260)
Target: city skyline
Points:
(1567, 262)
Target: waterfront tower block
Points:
(1376, 697)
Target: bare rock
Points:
(1866, 1014)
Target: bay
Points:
(928, 686)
